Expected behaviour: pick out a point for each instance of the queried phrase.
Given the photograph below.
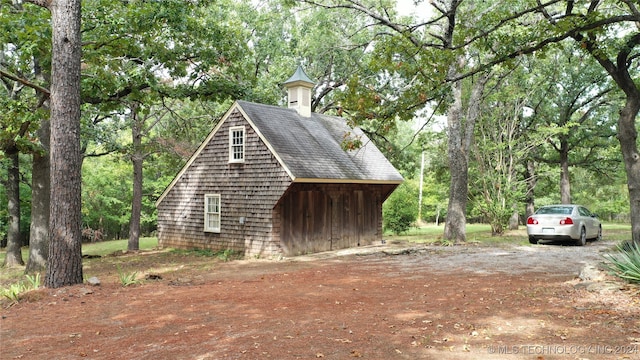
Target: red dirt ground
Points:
(410, 303)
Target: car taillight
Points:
(566, 221)
(532, 221)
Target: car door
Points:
(589, 221)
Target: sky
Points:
(408, 7)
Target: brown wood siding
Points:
(308, 226)
(321, 217)
(250, 190)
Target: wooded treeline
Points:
(513, 105)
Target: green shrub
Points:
(224, 255)
(401, 208)
(625, 262)
(227, 254)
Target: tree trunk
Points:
(460, 137)
(530, 175)
(514, 220)
(136, 201)
(627, 132)
(456, 221)
(565, 182)
(628, 135)
(65, 251)
(14, 243)
(39, 231)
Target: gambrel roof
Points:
(310, 149)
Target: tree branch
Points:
(114, 97)
(572, 33)
(44, 3)
(25, 82)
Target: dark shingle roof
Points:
(310, 148)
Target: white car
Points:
(564, 222)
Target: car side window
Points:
(584, 212)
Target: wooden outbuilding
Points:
(270, 180)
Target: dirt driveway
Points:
(390, 301)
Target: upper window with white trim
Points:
(236, 144)
(212, 213)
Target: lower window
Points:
(212, 212)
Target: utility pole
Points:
(420, 191)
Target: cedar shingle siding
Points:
(250, 189)
(297, 190)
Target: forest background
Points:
(535, 124)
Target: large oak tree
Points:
(65, 252)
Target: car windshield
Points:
(557, 210)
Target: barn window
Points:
(236, 144)
(212, 213)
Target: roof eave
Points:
(348, 181)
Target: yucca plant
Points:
(625, 262)
(127, 279)
(34, 281)
(13, 292)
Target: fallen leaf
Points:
(344, 341)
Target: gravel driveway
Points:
(549, 258)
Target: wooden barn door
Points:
(357, 217)
(306, 222)
(349, 219)
(314, 220)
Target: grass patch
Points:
(109, 247)
(481, 233)
(616, 232)
(476, 233)
(224, 255)
(100, 248)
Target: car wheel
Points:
(583, 237)
(532, 240)
(599, 237)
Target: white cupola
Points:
(299, 88)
